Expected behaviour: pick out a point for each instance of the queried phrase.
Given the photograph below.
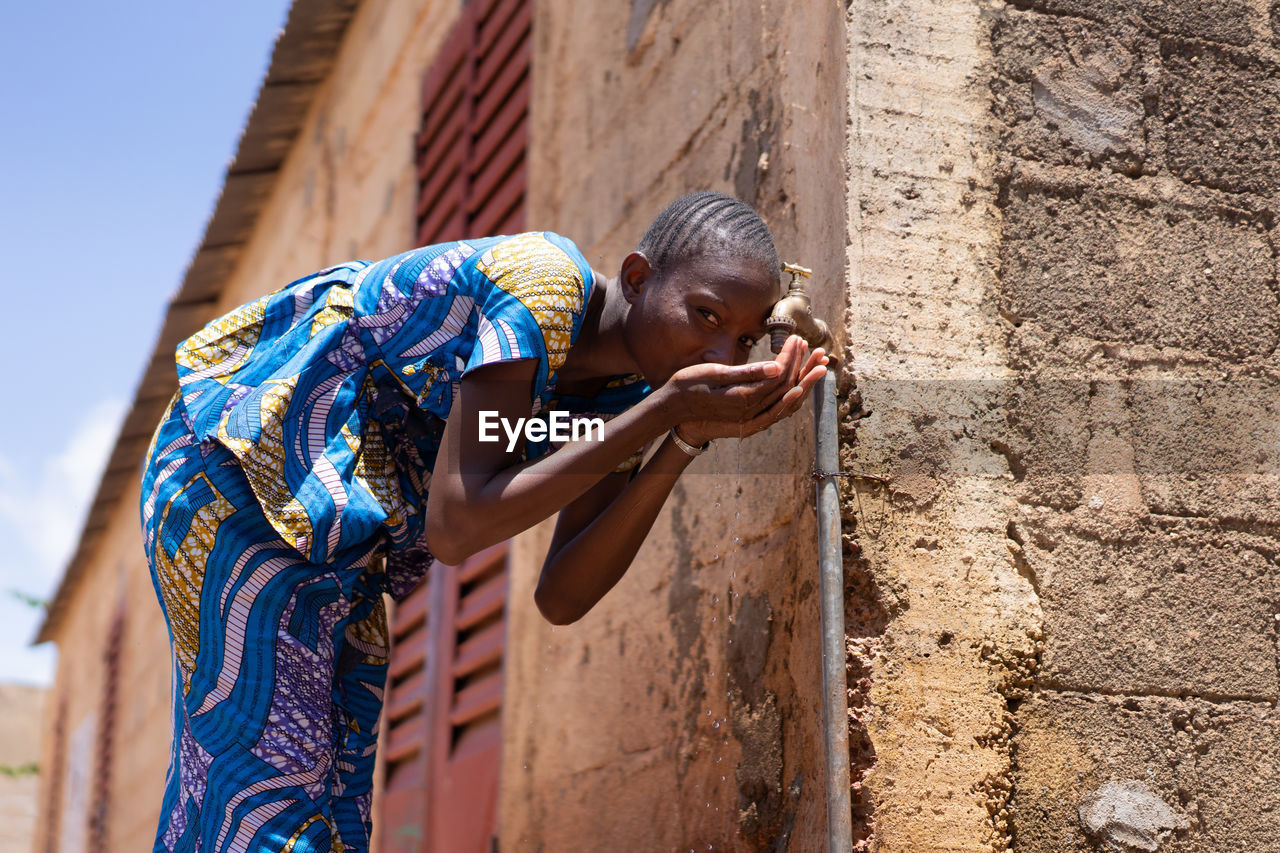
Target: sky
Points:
(119, 121)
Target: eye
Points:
(709, 315)
(748, 341)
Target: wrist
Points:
(667, 407)
(693, 443)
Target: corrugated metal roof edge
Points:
(301, 59)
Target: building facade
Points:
(1044, 232)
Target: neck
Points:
(600, 349)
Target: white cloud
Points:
(46, 513)
(42, 508)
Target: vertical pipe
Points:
(831, 585)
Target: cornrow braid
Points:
(708, 222)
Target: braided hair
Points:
(704, 222)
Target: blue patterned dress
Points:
(285, 490)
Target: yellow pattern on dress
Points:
(217, 342)
(338, 306)
(546, 280)
(264, 459)
(183, 576)
(376, 470)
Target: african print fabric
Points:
(285, 491)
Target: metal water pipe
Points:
(793, 315)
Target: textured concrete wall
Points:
(683, 711)
(941, 622)
(22, 707)
(1137, 182)
(1064, 309)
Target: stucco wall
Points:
(683, 711)
(22, 708)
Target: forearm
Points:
(519, 496)
(584, 569)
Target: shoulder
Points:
(538, 267)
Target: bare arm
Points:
(598, 535)
(481, 494)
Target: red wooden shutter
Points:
(444, 695)
(444, 698)
(475, 125)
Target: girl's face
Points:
(709, 309)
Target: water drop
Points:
(708, 713)
(718, 760)
(713, 618)
(716, 725)
(721, 778)
(715, 599)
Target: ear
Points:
(635, 273)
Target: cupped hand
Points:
(737, 393)
(801, 374)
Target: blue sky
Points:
(119, 122)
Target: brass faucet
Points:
(793, 314)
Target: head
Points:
(700, 285)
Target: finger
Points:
(740, 374)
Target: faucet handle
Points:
(796, 271)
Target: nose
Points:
(718, 352)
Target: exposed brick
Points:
(1237, 763)
(1219, 20)
(1208, 448)
(1068, 746)
(1147, 609)
(1114, 269)
(1220, 111)
(1047, 439)
(1069, 92)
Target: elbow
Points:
(554, 608)
(446, 540)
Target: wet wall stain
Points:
(756, 723)
(641, 10)
(754, 147)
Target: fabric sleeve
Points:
(535, 300)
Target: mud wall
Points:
(683, 711)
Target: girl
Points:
(328, 441)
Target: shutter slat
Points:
(483, 603)
(443, 147)
(501, 88)
(498, 56)
(410, 613)
(486, 561)
(446, 69)
(477, 700)
(406, 698)
(437, 177)
(448, 222)
(404, 740)
(500, 205)
(498, 19)
(512, 112)
(477, 652)
(408, 655)
(504, 160)
(442, 111)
